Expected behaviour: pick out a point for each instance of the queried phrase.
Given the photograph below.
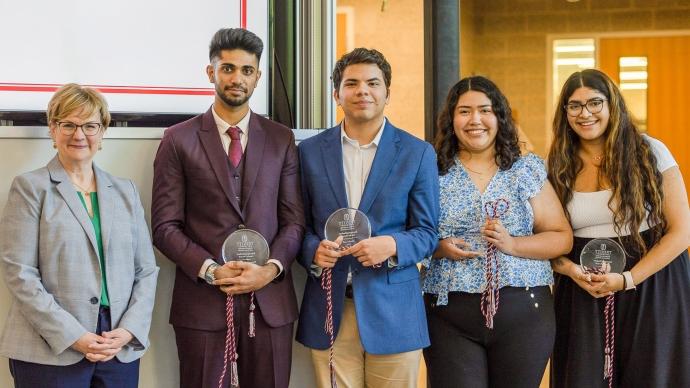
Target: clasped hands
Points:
(598, 286)
(102, 348)
(492, 231)
(368, 252)
(241, 277)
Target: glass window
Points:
(569, 56)
(632, 72)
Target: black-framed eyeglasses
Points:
(593, 106)
(68, 128)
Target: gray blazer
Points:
(49, 257)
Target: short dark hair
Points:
(361, 55)
(447, 144)
(235, 38)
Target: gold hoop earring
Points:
(54, 144)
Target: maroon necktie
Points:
(235, 149)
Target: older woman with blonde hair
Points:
(77, 259)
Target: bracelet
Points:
(629, 282)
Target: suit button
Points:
(236, 176)
(93, 300)
(241, 226)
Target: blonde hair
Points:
(71, 98)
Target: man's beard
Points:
(238, 101)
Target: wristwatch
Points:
(210, 274)
(628, 281)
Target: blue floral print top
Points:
(462, 214)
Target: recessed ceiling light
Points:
(572, 1)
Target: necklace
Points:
(490, 169)
(87, 192)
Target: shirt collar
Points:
(223, 126)
(375, 142)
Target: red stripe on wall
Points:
(243, 13)
(111, 89)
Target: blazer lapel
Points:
(386, 155)
(105, 205)
(69, 195)
(332, 154)
(253, 156)
(210, 140)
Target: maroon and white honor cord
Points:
(230, 345)
(490, 295)
(609, 330)
(609, 338)
(492, 269)
(327, 285)
(231, 341)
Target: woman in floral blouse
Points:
(489, 306)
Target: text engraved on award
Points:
(348, 230)
(245, 250)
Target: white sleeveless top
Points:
(590, 215)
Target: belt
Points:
(348, 292)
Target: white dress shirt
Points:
(357, 161)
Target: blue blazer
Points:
(401, 200)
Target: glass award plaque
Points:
(350, 223)
(602, 256)
(246, 245)
(471, 241)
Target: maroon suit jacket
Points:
(193, 211)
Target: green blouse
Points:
(96, 222)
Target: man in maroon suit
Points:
(223, 170)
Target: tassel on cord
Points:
(252, 322)
(234, 380)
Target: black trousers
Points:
(465, 353)
(83, 374)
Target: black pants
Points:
(83, 374)
(465, 353)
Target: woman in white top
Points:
(617, 183)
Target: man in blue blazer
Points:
(368, 164)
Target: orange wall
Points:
(668, 97)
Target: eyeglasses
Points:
(68, 128)
(594, 105)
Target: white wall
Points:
(132, 158)
(144, 55)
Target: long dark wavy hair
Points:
(628, 163)
(446, 143)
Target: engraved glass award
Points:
(602, 256)
(246, 245)
(350, 223)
